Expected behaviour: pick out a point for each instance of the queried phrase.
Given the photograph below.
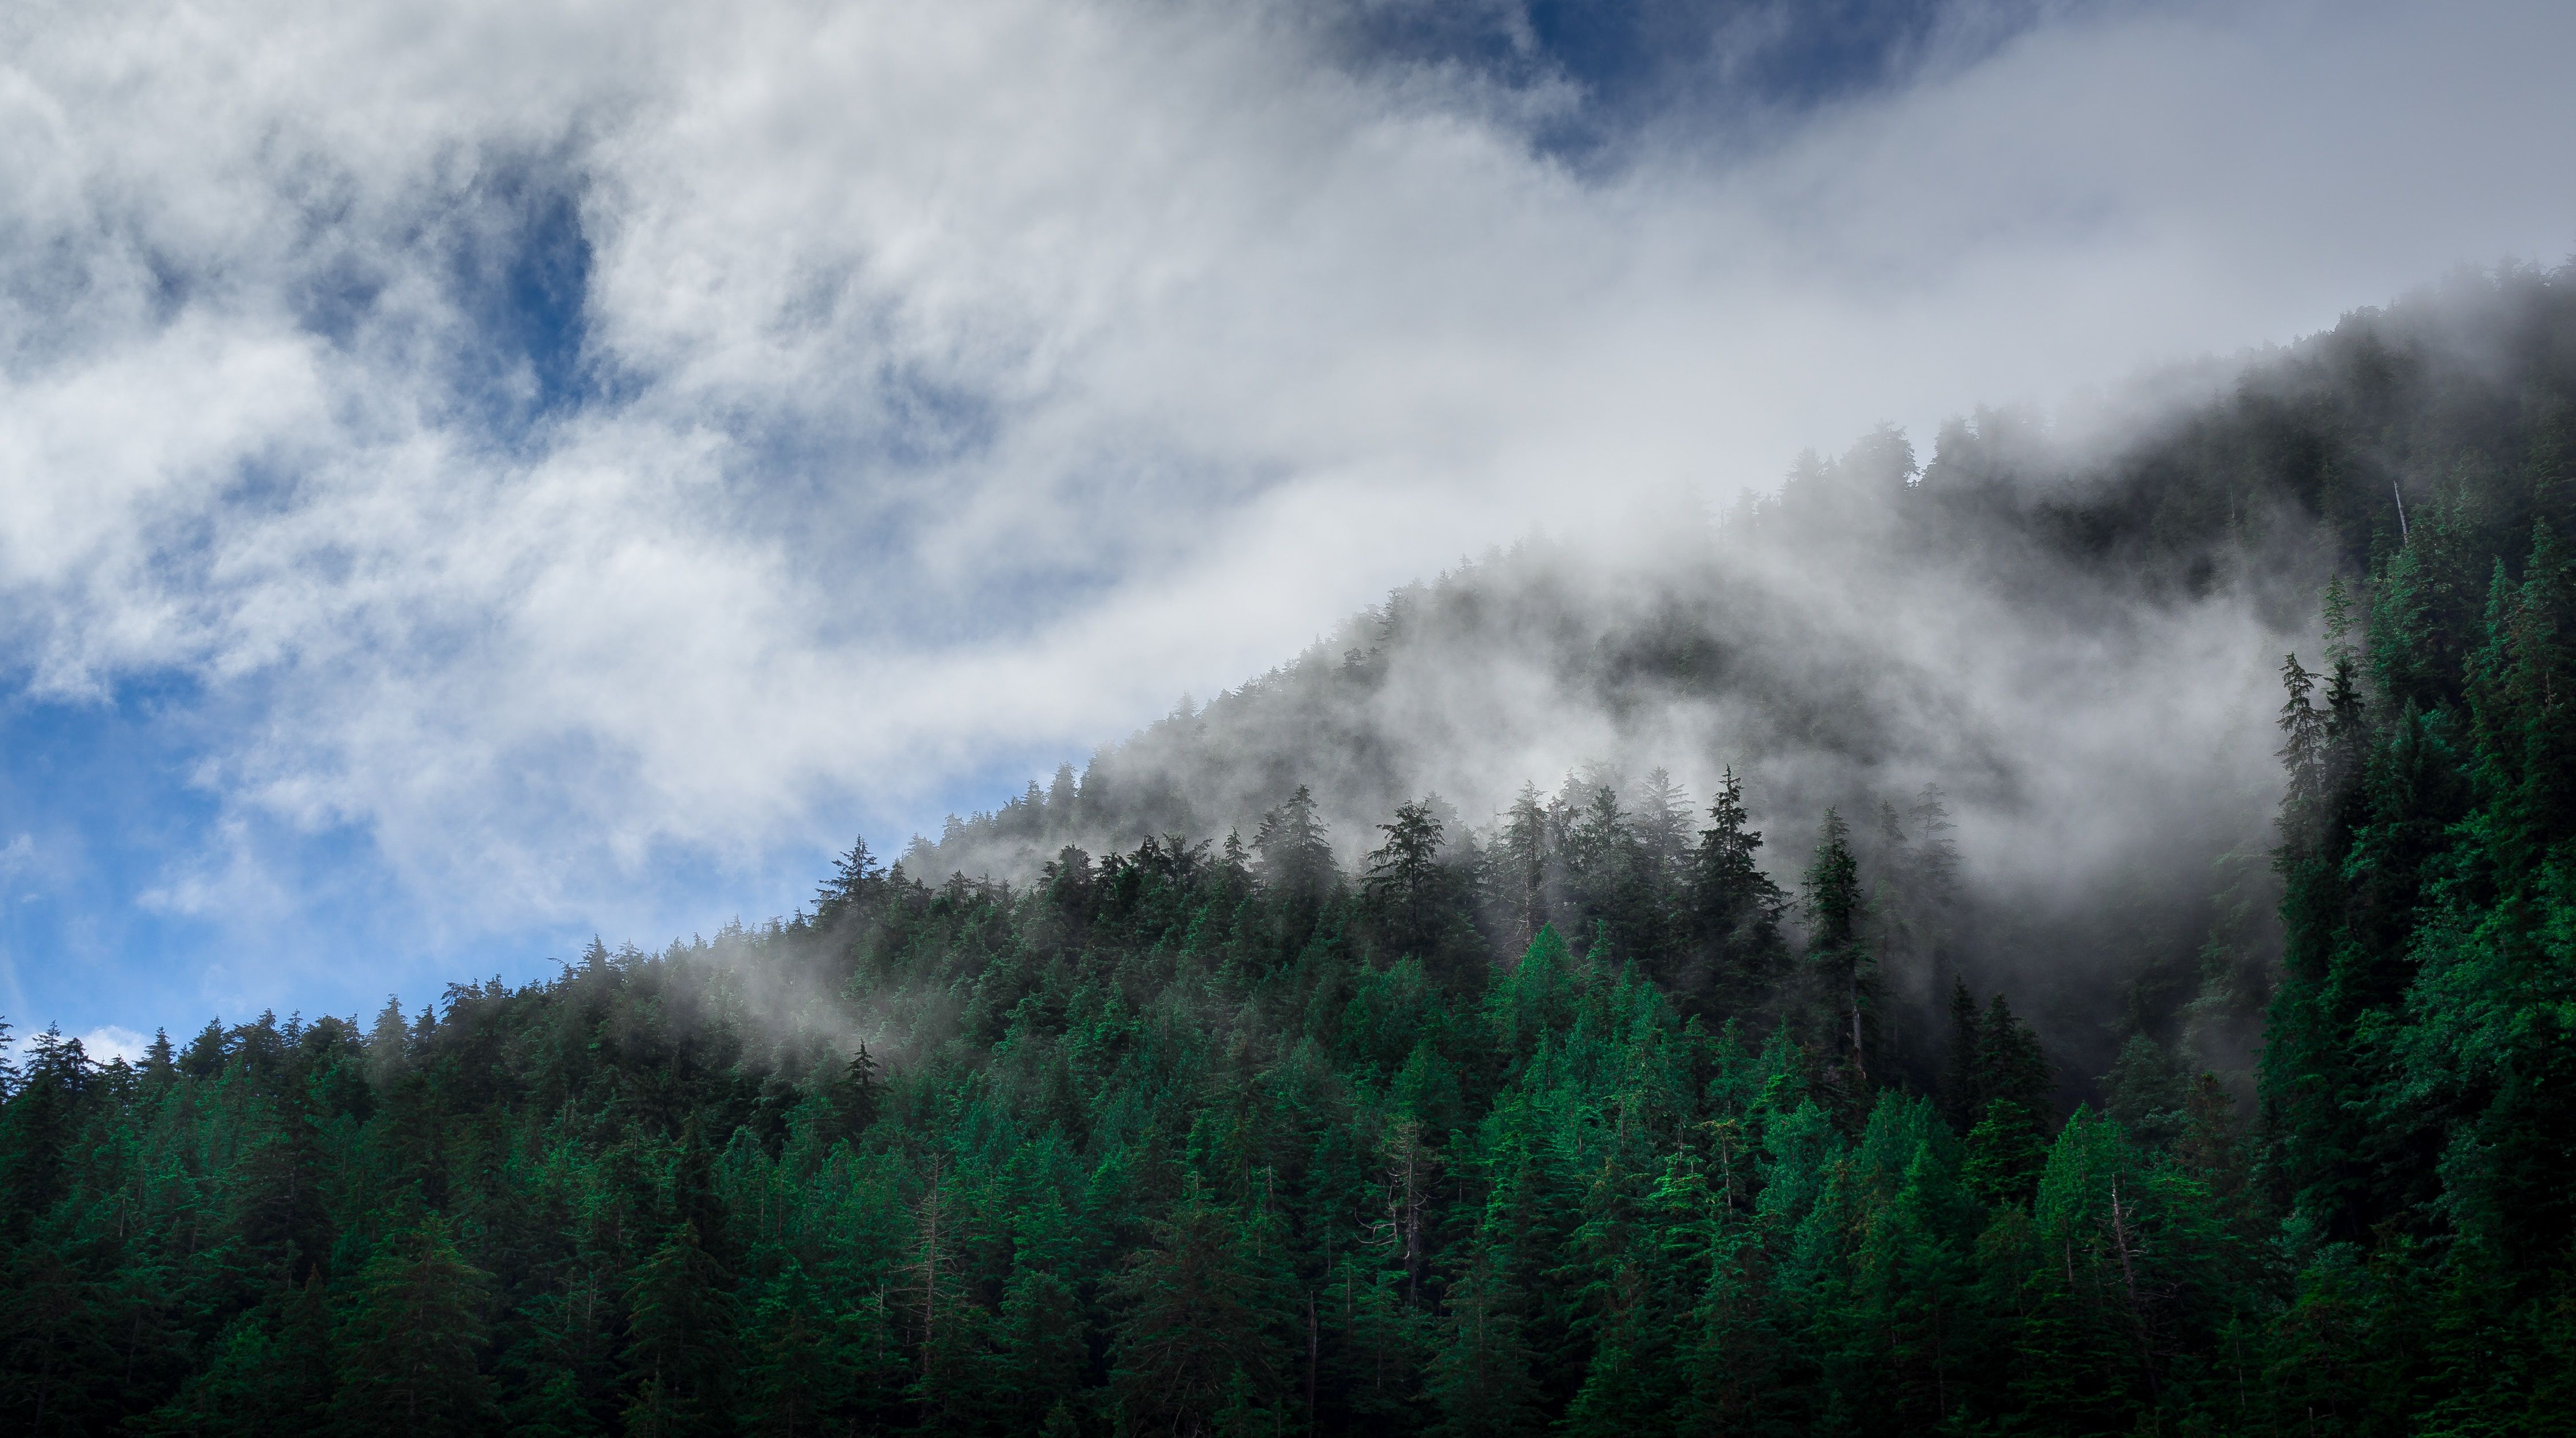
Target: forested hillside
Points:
(1614, 1109)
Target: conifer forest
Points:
(1623, 1110)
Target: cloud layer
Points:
(556, 467)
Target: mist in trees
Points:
(1629, 1105)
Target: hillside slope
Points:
(1590, 1111)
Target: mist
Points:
(562, 475)
(2048, 619)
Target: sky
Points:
(478, 475)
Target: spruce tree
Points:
(1838, 958)
(1520, 869)
(1963, 1064)
(1197, 1318)
(1296, 866)
(1735, 908)
(681, 1333)
(2008, 1144)
(799, 1378)
(1405, 888)
(1480, 1377)
(412, 1358)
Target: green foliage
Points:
(1200, 1321)
(411, 1357)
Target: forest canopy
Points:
(1621, 1113)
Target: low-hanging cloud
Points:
(561, 444)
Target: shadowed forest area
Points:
(1634, 1111)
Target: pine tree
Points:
(1198, 1316)
(856, 881)
(1735, 907)
(1662, 826)
(943, 1385)
(412, 1358)
(1841, 962)
(1963, 1065)
(1480, 1377)
(307, 1356)
(680, 1339)
(799, 1377)
(1296, 865)
(1294, 856)
(1044, 1350)
(2302, 753)
(1606, 870)
(855, 1094)
(388, 1043)
(2008, 1144)
(1520, 869)
(1405, 887)
(2144, 1091)
(160, 1059)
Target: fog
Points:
(2069, 624)
(2101, 744)
(533, 471)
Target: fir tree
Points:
(1735, 906)
(412, 1358)
(1840, 960)
(1198, 1318)
(680, 1339)
(1404, 886)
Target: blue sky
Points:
(480, 475)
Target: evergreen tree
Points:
(412, 1359)
(1296, 865)
(1180, 1141)
(799, 1376)
(1839, 960)
(680, 1339)
(2008, 1144)
(1736, 907)
(1963, 1063)
(1405, 887)
(1663, 828)
(1044, 1351)
(1198, 1319)
(1521, 868)
(1480, 1378)
(856, 880)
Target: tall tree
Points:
(1405, 886)
(1480, 1378)
(2008, 1143)
(800, 1375)
(1296, 863)
(1836, 953)
(681, 1334)
(1735, 907)
(412, 1360)
(1520, 868)
(1963, 1068)
(1199, 1319)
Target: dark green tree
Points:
(412, 1357)
(681, 1335)
(1837, 957)
(1197, 1318)
(1406, 889)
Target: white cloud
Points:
(108, 1042)
(974, 376)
